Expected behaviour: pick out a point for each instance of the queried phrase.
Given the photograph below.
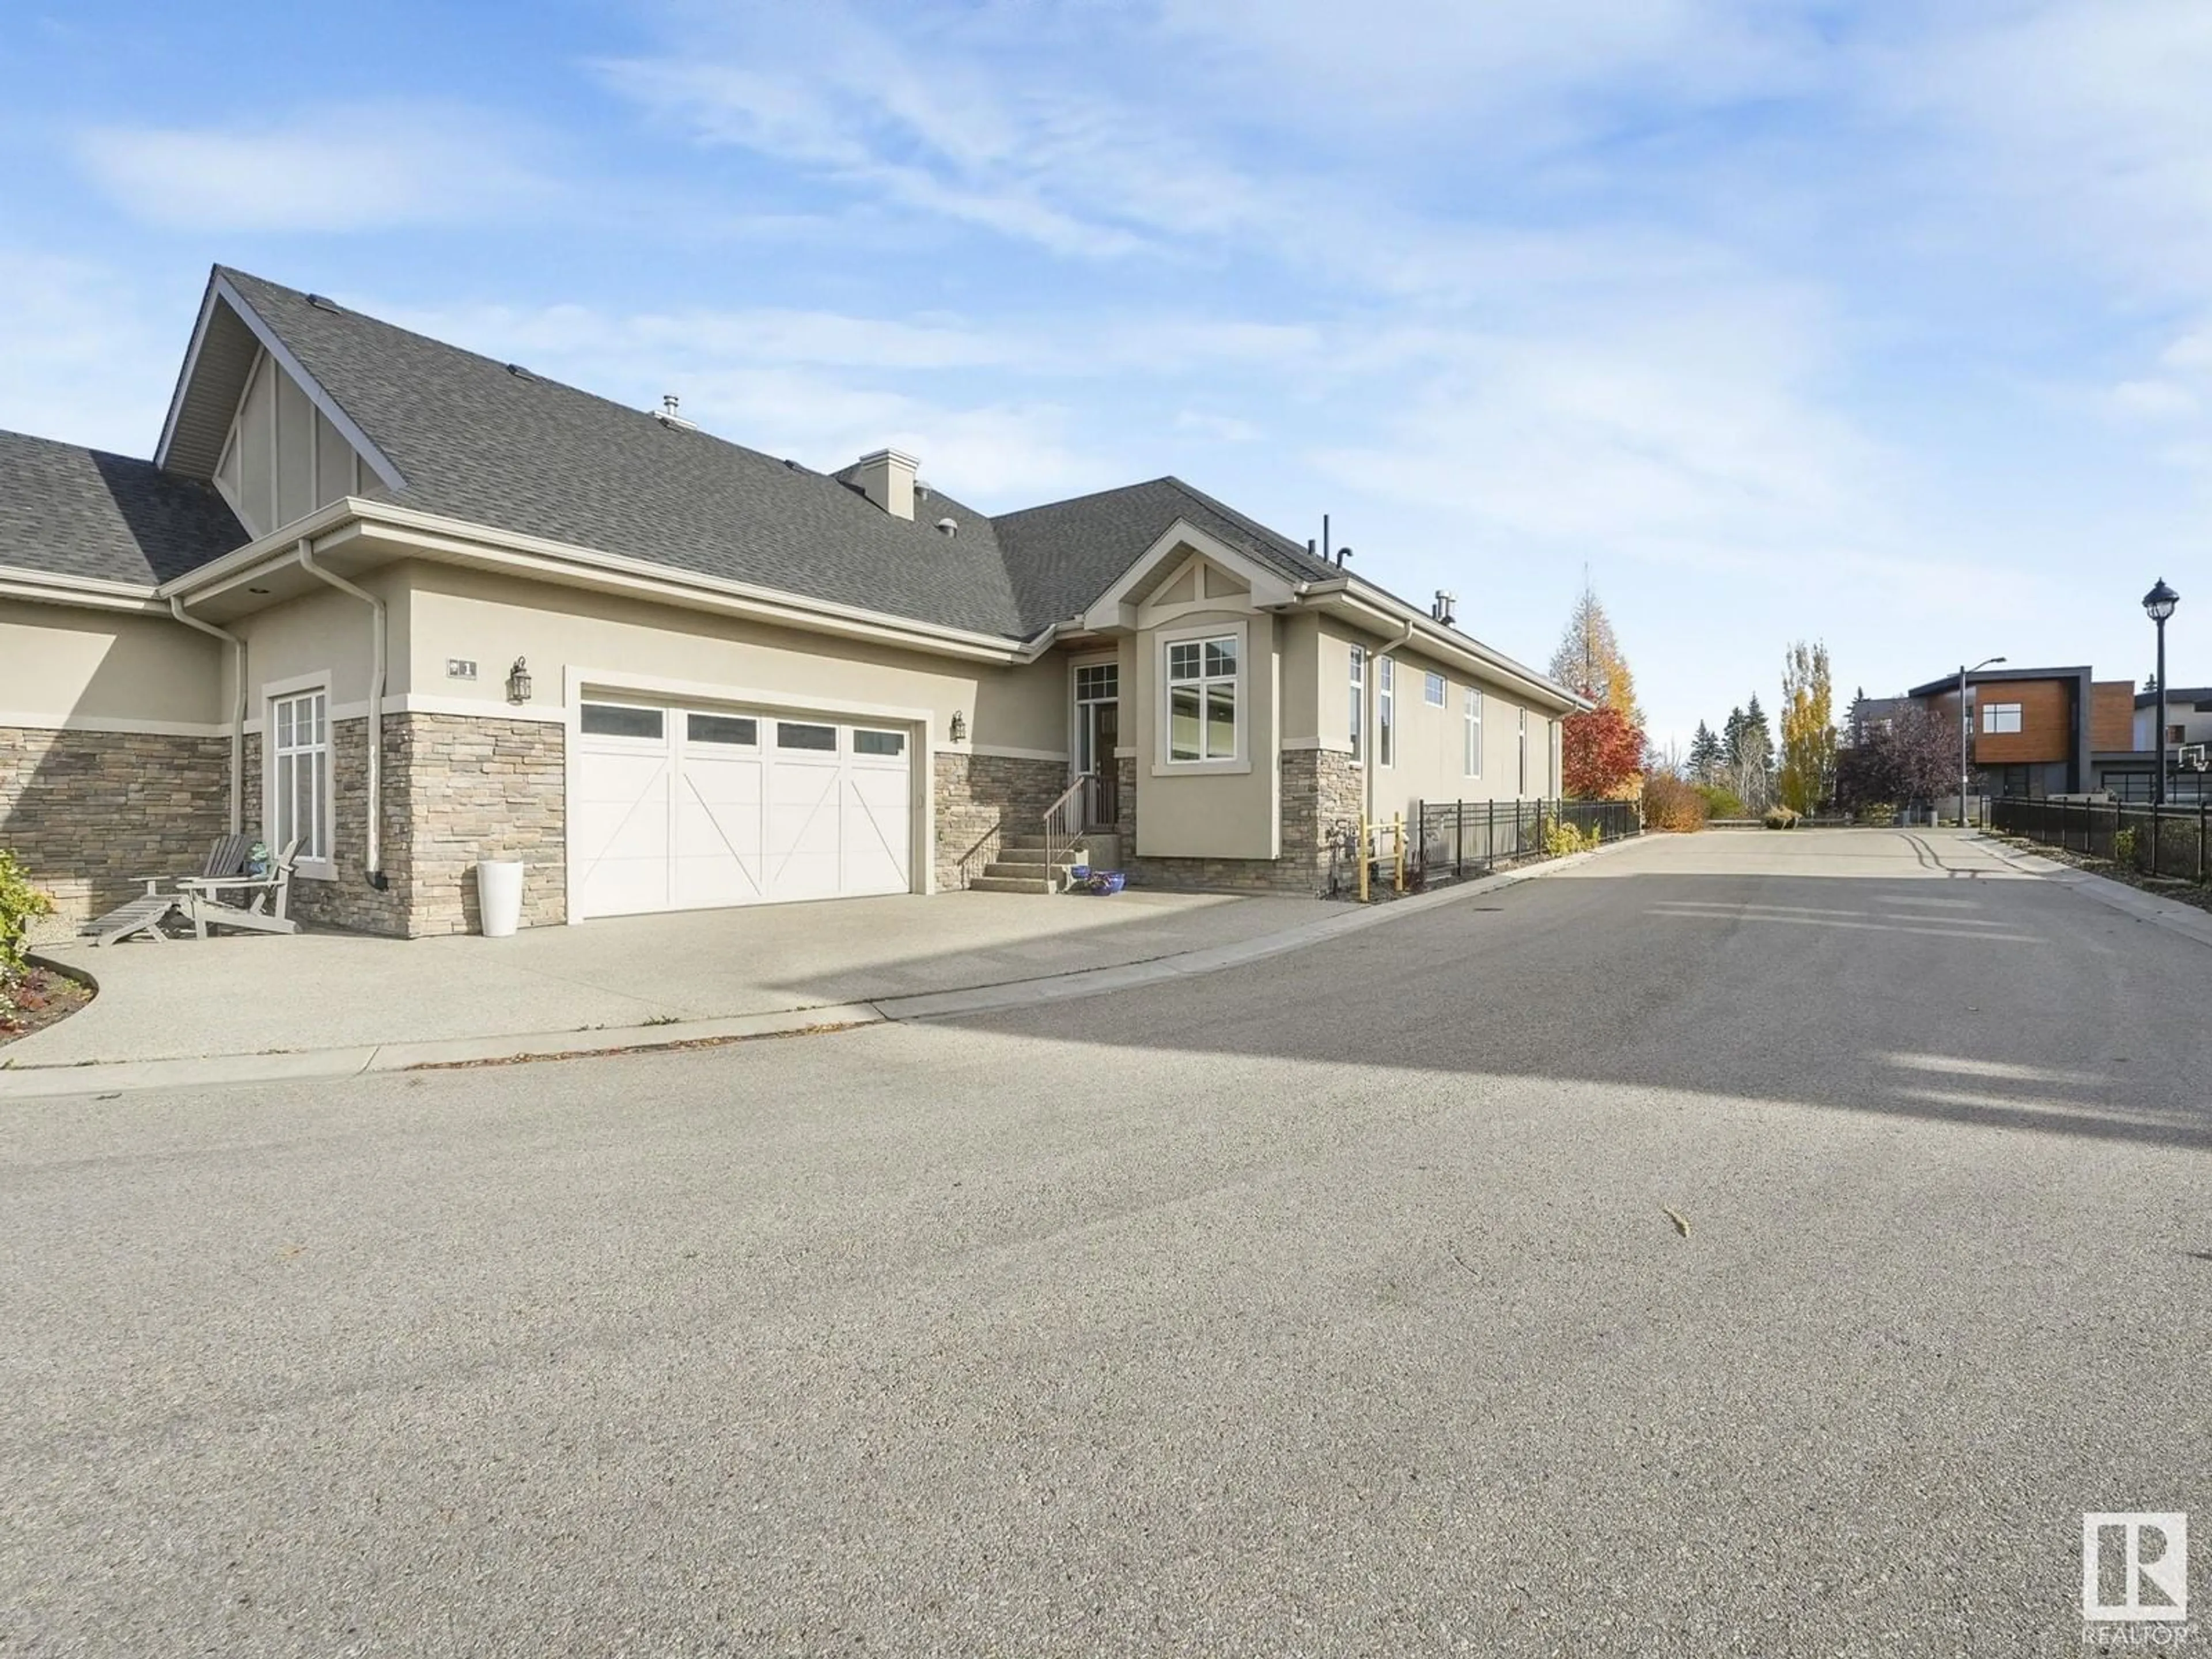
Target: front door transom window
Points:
(1202, 699)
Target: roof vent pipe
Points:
(1443, 610)
(948, 528)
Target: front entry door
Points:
(1105, 719)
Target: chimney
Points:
(886, 478)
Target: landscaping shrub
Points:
(1561, 838)
(20, 904)
(2124, 846)
(1780, 817)
(1671, 804)
(1721, 801)
(1881, 814)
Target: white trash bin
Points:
(499, 896)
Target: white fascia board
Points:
(1387, 614)
(455, 540)
(1116, 608)
(88, 593)
(322, 529)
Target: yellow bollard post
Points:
(1398, 834)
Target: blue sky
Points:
(1886, 325)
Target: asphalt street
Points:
(1761, 1244)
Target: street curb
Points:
(2171, 915)
(100, 1077)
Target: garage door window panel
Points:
(732, 730)
(611, 720)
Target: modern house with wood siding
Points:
(2035, 731)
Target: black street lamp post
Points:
(2158, 604)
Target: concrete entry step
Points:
(991, 883)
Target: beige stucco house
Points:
(416, 608)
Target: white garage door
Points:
(681, 809)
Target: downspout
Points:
(374, 857)
(238, 712)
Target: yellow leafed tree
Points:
(1808, 729)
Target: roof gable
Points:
(490, 443)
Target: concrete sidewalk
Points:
(188, 1012)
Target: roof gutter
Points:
(1379, 612)
(379, 631)
(238, 709)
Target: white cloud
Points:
(79, 359)
(1222, 428)
(2153, 400)
(2086, 120)
(331, 167)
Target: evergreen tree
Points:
(1750, 751)
(1705, 756)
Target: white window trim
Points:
(1386, 711)
(274, 692)
(1470, 742)
(1520, 785)
(1990, 712)
(1075, 704)
(1240, 760)
(1443, 684)
(1358, 686)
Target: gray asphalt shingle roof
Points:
(1060, 557)
(474, 440)
(77, 512)
(522, 454)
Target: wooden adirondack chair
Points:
(146, 913)
(252, 904)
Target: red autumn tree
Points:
(1600, 754)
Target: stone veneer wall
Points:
(456, 788)
(1322, 793)
(89, 811)
(979, 798)
(477, 789)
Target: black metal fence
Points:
(2170, 841)
(1452, 838)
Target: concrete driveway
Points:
(258, 995)
(1334, 1305)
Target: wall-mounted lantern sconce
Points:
(517, 681)
(960, 727)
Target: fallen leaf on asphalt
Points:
(1681, 1222)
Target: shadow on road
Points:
(1960, 995)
